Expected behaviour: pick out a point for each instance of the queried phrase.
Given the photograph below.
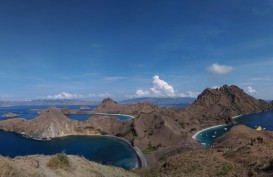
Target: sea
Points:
(102, 149)
(263, 119)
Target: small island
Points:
(10, 115)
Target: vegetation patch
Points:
(59, 161)
(227, 168)
(149, 149)
(146, 172)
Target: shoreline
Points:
(141, 160)
(215, 126)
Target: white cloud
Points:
(250, 90)
(142, 93)
(219, 69)
(64, 95)
(161, 88)
(99, 95)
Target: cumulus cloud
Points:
(250, 90)
(219, 69)
(64, 95)
(161, 88)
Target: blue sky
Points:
(124, 48)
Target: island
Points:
(164, 135)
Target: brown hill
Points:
(159, 132)
(234, 155)
(213, 105)
(164, 132)
(50, 123)
(112, 107)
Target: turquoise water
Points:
(207, 137)
(263, 119)
(102, 149)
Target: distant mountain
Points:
(161, 101)
(47, 103)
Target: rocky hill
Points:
(50, 123)
(233, 155)
(161, 133)
(110, 106)
(213, 105)
(167, 131)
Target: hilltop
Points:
(66, 166)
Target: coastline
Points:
(215, 126)
(141, 160)
(195, 135)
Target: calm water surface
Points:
(102, 149)
(263, 119)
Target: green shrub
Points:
(149, 149)
(59, 161)
(226, 168)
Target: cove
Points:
(207, 136)
(101, 149)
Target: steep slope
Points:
(213, 105)
(51, 123)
